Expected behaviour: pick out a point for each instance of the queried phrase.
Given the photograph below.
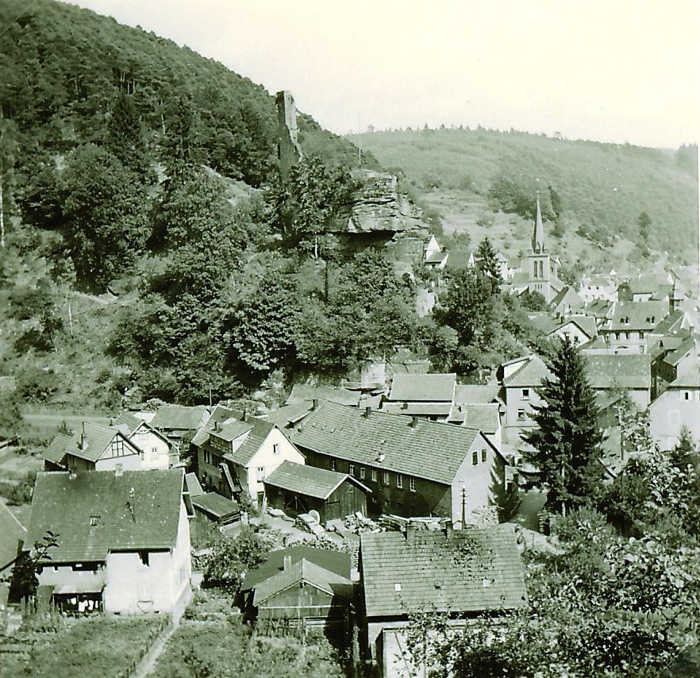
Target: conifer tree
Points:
(567, 441)
(487, 263)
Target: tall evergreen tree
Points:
(487, 263)
(125, 135)
(567, 441)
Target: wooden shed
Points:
(298, 488)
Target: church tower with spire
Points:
(541, 267)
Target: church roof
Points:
(538, 233)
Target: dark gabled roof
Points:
(637, 315)
(303, 571)
(179, 417)
(599, 307)
(474, 394)
(681, 351)
(334, 394)
(309, 480)
(618, 370)
(335, 561)
(97, 439)
(482, 416)
(467, 571)
(127, 423)
(419, 409)
(289, 414)
(530, 373)
(215, 505)
(137, 510)
(420, 448)
(423, 387)
(220, 415)
(193, 485)
(672, 322)
(11, 533)
(254, 438)
(566, 295)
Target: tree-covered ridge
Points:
(592, 189)
(65, 67)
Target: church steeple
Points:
(538, 233)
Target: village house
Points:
(207, 507)
(479, 406)
(122, 539)
(94, 447)
(464, 572)
(157, 452)
(601, 310)
(631, 324)
(593, 287)
(300, 585)
(628, 372)
(566, 302)
(219, 415)
(414, 467)
(435, 256)
(520, 378)
(676, 407)
(580, 329)
(646, 287)
(670, 356)
(177, 421)
(238, 455)
(299, 488)
(422, 395)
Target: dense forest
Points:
(478, 181)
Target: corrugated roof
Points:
(467, 571)
(179, 417)
(618, 370)
(423, 387)
(530, 373)
(11, 533)
(420, 448)
(308, 480)
(335, 561)
(133, 511)
(308, 572)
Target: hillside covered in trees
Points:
(481, 181)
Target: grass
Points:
(604, 184)
(102, 646)
(212, 641)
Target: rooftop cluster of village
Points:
(397, 492)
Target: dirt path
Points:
(148, 662)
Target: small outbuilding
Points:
(298, 488)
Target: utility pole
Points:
(464, 507)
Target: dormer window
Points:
(94, 520)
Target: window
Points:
(94, 520)
(399, 480)
(374, 475)
(627, 335)
(687, 395)
(207, 457)
(260, 473)
(617, 335)
(412, 484)
(333, 466)
(526, 394)
(521, 414)
(475, 458)
(275, 449)
(386, 477)
(483, 455)
(362, 472)
(641, 335)
(351, 469)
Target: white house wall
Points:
(156, 451)
(670, 412)
(266, 459)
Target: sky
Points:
(609, 70)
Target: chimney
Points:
(287, 562)
(365, 414)
(83, 439)
(314, 404)
(245, 414)
(414, 422)
(217, 425)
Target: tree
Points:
(555, 201)
(533, 300)
(487, 263)
(24, 575)
(125, 135)
(567, 441)
(230, 559)
(644, 222)
(8, 149)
